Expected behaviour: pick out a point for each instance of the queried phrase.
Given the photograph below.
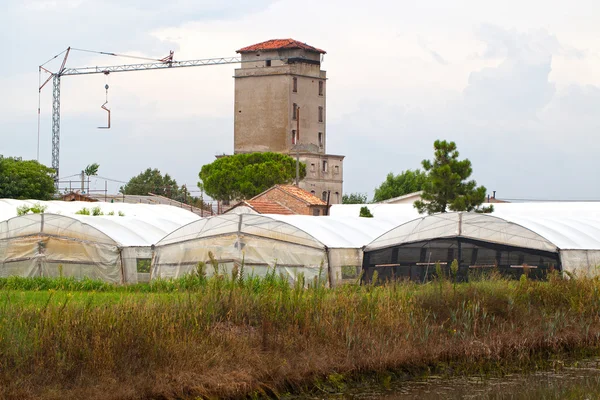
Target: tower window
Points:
(312, 169)
(320, 139)
(337, 197)
(295, 111)
(267, 63)
(324, 196)
(312, 191)
(336, 170)
(320, 88)
(320, 114)
(324, 166)
(294, 137)
(295, 84)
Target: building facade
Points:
(285, 200)
(280, 106)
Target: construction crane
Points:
(163, 63)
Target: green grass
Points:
(230, 337)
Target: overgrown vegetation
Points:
(365, 212)
(97, 211)
(232, 335)
(36, 208)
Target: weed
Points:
(223, 337)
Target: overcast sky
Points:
(516, 84)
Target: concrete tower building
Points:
(280, 106)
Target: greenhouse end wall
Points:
(257, 255)
(584, 263)
(417, 261)
(47, 256)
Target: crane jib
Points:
(163, 63)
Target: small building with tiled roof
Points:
(260, 207)
(299, 201)
(283, 200)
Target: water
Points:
(574, 382)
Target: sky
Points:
(516, 84)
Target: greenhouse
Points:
(344, 238)
(109, 247)
(296, 244)
(257, 242)
(511, 240)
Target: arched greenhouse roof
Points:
(340, 232)
(570, 226)
(250, 224)
(480, 227)
(398, 213)
(122, 231)
(158, 214)
(53, 225)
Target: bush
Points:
(365, 212)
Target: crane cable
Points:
(86, 51)
(58, 55)
(117, 55)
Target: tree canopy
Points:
(25, 179)
(406, 182)
(365, 212)
(91, 170)
(243, 176)
(447, 186)
(152, 181)
(354, 198)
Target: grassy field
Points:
(224, 337)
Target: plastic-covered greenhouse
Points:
(259, 242)
(295, 244)
(112, 248)
(511, 240)
(344, 238)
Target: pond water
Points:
(581, 381)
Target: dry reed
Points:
(228, 337)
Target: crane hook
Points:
(103, 106)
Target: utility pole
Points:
(297, 138)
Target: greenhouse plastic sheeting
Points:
(339, 232)
(163, 216)
(343, 237)
(53, 245)
(581, 262)
(257, 241)
(345, 265)
(397, 213)
(475, 226)
(127, 238)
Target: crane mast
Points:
(164, 63)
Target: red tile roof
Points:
(276, 44)
(269, 207)
(303, 195)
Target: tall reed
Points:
(225, 336)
